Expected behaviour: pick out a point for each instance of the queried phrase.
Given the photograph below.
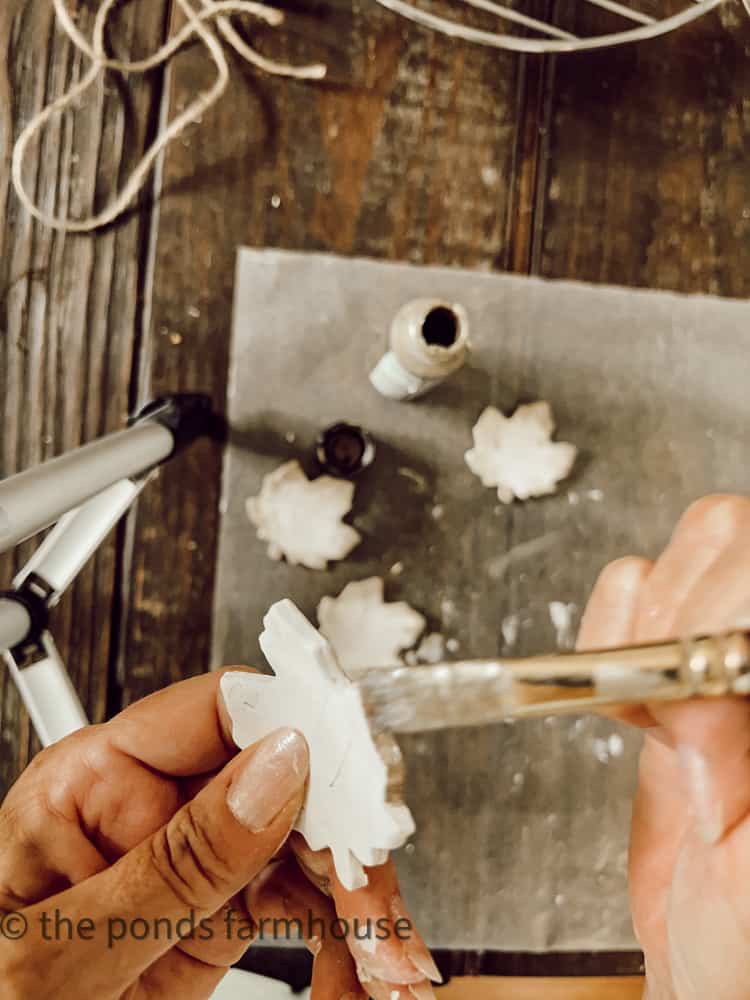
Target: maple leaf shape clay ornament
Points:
(347, 807)
(517, 455)
(365, 631)
(301, 518)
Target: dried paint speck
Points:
(561, 616)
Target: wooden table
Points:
(594, 988)
(625, 166)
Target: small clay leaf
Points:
(364, 630)
(300, 519)
(517, 455)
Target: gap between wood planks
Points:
(525, 219)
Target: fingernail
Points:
(314, 944)
(419, 955)
(705, 805)
(269, 779)
(414, 947)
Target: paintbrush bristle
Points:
(417, 699)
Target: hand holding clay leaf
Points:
(301, 519)
(517, 455)
(346, 809)
(192, 833)
(345, 823)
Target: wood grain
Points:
(648, 182)
(69, 306)
(407, 151)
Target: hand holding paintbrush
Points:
(690, 839)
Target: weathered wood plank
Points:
(648, 181)
(69, 305)
(406, 152)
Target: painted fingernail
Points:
(269, 779)
(318, 879)
(414, 947)
(314, 944)
(419, 955)
(705, 805)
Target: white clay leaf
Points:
(517, 455)
(365, 631)
(346, 808)
(300, 519)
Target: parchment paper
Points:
(521, 829)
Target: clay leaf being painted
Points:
(347, 807)
(364, 630)
(517, 454)
(301, 518)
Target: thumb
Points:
(210, 850)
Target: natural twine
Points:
(213, 28)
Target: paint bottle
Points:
(344, 450)
(429, 340)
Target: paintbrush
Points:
(355, 801)
(479, 692)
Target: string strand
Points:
(198, 23)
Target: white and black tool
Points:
(83, 493)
